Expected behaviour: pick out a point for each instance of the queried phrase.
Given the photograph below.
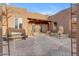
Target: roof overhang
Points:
(38, 21)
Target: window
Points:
(43, 28)
(55, 29)
(55, 23)
(33, 27)
(74, 20)
(18, 23)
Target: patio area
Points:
(40, 45)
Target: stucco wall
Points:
(62, 18)
(24, 14)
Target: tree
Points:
(4, 12)
(1, 49)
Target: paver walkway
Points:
(41, 45)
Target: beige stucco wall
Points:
(37, 16)
(24, 14)
(62, 18)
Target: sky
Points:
(43, 8)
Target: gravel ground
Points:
(41, 45)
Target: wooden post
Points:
(1, 36)
(77, 30)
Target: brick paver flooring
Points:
(41, 45)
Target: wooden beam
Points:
(32, 19)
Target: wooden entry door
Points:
(44, 28)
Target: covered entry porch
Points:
(38, 26)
